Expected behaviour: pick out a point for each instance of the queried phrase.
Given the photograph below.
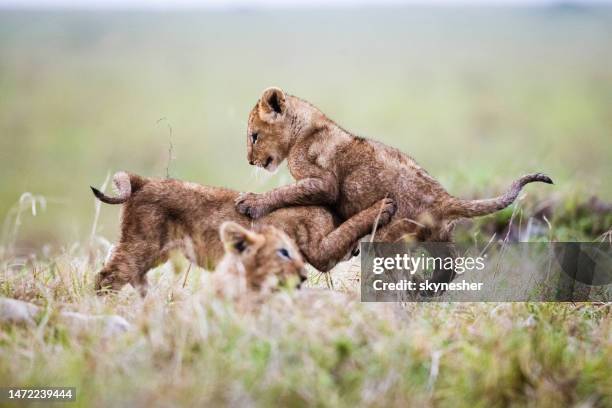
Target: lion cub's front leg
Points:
(308, 191)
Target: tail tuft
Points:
(541, 177)
(125, 185)
(99, 195)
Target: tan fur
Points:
(160, 215)
(351, 173)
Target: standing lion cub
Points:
(161, 215)
(350, 173)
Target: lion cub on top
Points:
(350, 173)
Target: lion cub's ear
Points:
(237, 239)
(272, 104)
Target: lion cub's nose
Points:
(251, 162)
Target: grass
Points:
(306, 348)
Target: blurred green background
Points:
(477, 95)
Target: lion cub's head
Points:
(270, 130)
(260, 260)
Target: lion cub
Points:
(160, 215)
(350, 173)
(258, 260)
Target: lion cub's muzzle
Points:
(268, 164)
(303, 275)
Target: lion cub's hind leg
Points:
(436, 239)
(128, 264)
(325, 253)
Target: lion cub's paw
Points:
(387, 208)
(251, 205)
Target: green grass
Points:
(304, 348)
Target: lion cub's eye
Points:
(283, 253)
(254, 137)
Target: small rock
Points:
(20, 312)
(17, 312)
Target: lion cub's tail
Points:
(125, 185)
(473, 208)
